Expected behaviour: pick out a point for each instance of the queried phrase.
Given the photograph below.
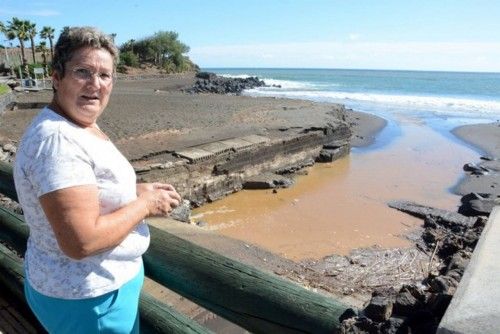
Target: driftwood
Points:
(446, 217)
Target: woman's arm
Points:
(79, 229)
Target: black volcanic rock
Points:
(208, 82)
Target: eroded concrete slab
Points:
(194, 154)
(217, 147)
(256, 139)
(237, 143)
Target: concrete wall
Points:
(475, 307)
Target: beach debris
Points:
(419, 306)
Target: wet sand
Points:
(341, 206)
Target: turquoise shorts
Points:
(113, 312)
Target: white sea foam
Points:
(288, 84)
(285, 84)
(241, 76)
(437, 104)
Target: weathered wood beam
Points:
(13, 230)
(256, 300)
(7, 181)
(157, 317)
(12, 283)
(11, 273)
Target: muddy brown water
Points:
(341, 206)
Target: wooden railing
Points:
(255, 300)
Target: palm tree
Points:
(32, 34)
(4, 30)
(42, 47)
(18, 29)
(48, 32)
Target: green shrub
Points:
(128, 58)
(30, 69)
(4, 89)
(37, 65)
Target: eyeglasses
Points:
(84, 74)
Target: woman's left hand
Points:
(143, 187)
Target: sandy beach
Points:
(149, 115)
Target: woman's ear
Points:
(56, 77)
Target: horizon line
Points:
(348, 69)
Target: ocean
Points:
(457, 97)
(341, 206)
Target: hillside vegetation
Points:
(163, 50)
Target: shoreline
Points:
(194, 119)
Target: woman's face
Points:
(84, 91)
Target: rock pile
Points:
(211, 83)
(7, 152)
(418, 308)
(487, 171)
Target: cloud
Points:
(39, 12)
(354, 37)
(446, 56)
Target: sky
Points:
(441, 35)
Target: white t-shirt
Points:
(55, 154)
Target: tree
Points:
(42, 47)
(18, 29)
(32, 34)
(162, 49)
(48, 33)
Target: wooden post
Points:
(258, 301)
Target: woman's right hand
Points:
(160, 201)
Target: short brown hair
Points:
(74, 38)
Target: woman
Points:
(83, 263)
